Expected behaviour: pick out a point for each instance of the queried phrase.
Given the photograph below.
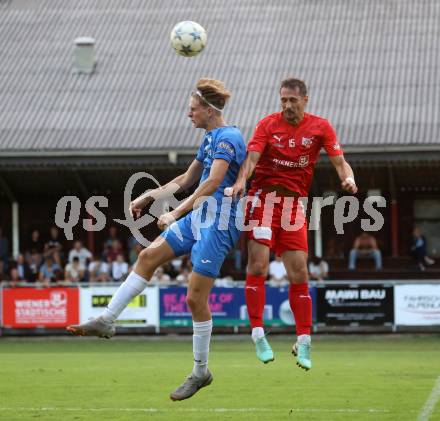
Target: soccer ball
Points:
(188, 38)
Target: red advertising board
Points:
(40, 307)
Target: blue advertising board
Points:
(228, 307)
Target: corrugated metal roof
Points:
(371, 65)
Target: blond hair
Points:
(212, 92)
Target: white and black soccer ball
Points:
(188, 38)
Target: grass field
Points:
(353, 378)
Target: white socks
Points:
(130, 288)
(304, 339)
(257, 333)
(201, 339)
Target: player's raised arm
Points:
(345, 173)
(205, 189)
(178, 184)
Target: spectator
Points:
(176, 264)
(333, 249)
(74, 271)
(53, 247)
(23, 269)
(131, 242)
(14, 278)
(365, 246)
(99, 271)
(114, 250)
(81, 252)
(418, 249)
(184, 271)
(186, 264)
(183, 277)
(4, 253)
(277, 272)
(170, 269)
(49, 271)
(160, 277)
(318, 269)
(112, 236)
(36, 243)
(225, 282)
(119, 267)
(34, 259)
(134, 253)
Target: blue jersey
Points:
(222, 143)
(210, 236)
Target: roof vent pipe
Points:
(84, 55)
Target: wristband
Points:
(228, 191)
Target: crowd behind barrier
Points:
(52, 260)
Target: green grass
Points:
(353, 378)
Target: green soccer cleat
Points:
(263, 350)
(302, 353)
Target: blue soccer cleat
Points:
(301, 349)
(263, 350)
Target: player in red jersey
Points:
(283, 152)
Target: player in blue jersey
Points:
(204, 225)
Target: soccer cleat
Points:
(94, 327)
(190, 386)
(302, 353)
(263, 350)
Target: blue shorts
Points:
(208, 246)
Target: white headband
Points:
(198, 93)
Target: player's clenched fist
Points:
(349, 185)
(138, 204)
(236, 191)
(165, 220)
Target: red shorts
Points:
(277, 221)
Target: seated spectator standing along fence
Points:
(365, 246)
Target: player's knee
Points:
(257, 268)
(298, 276)
(193, 302)
(146, 262)
(144, 257)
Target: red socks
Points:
(299, 298)
(301, 305)
(255, 293)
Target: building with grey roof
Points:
(371, 67)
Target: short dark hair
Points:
(293, 83)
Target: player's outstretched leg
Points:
(301, 305)
(149, 259)
(255, 293)
(104, 325)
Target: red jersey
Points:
(289, 153)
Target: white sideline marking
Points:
(430, 403)
(323, 410)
